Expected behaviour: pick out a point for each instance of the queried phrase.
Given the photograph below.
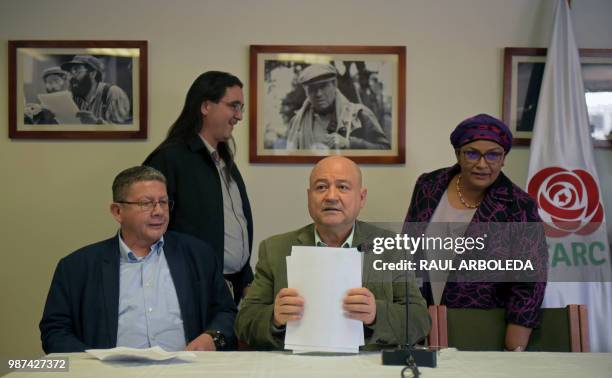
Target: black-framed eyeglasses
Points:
(238, 107)
(489, 156)
(166, 204)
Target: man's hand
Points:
(32, 109)
(337, 141)
(288, 305)
(88, 118)
(360, 304)
(204, 342)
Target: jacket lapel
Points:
(110, 287)
(306, 235)
(359, 238)
(179, 272)
(495, 205)
(434, 189)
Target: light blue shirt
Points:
(149, 312)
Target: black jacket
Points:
(82, 308)
(194, 185)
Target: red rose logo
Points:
(568, 201)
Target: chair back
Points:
(561, 330)
(476, 329)
(471, 329)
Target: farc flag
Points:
(563, 180)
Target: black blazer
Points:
(82, 307)
(194, 185)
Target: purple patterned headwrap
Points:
(482, 127)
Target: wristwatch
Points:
(218, 339)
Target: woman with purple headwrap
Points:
(476, 194)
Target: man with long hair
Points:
(197, 159)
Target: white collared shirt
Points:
(236, 235)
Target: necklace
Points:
(463, 201)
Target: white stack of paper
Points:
(323, 276)
(62, 106)
(155, 353)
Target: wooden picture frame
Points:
(523, 72)
(365, 113)
(78, 89)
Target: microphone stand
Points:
(405, 354)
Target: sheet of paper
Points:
(299, 349)
(323, 276)
(62, 105)
(155, 353)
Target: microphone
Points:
(365, 248)
(406, 354)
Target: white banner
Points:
(563, 180)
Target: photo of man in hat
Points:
(328, 120)
(99, 102)
(55, 80)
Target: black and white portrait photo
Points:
(318, 104)
(83, 89)
(336, 105)
(66, 90)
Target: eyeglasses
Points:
(165, 204)
(490, 156)
(238, 107)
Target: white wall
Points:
(54, 195)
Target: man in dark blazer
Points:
(197, 158)
(141, 288)
(335, 198)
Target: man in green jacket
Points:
(335, 197)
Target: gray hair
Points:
(127, 177)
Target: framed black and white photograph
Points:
(523, 73)
(78, 89)
(308, 102)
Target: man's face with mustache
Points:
(81, 80)
(335, 195)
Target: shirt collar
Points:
(210, 148)
(127, 255)
(214, 154)
(346, 244)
